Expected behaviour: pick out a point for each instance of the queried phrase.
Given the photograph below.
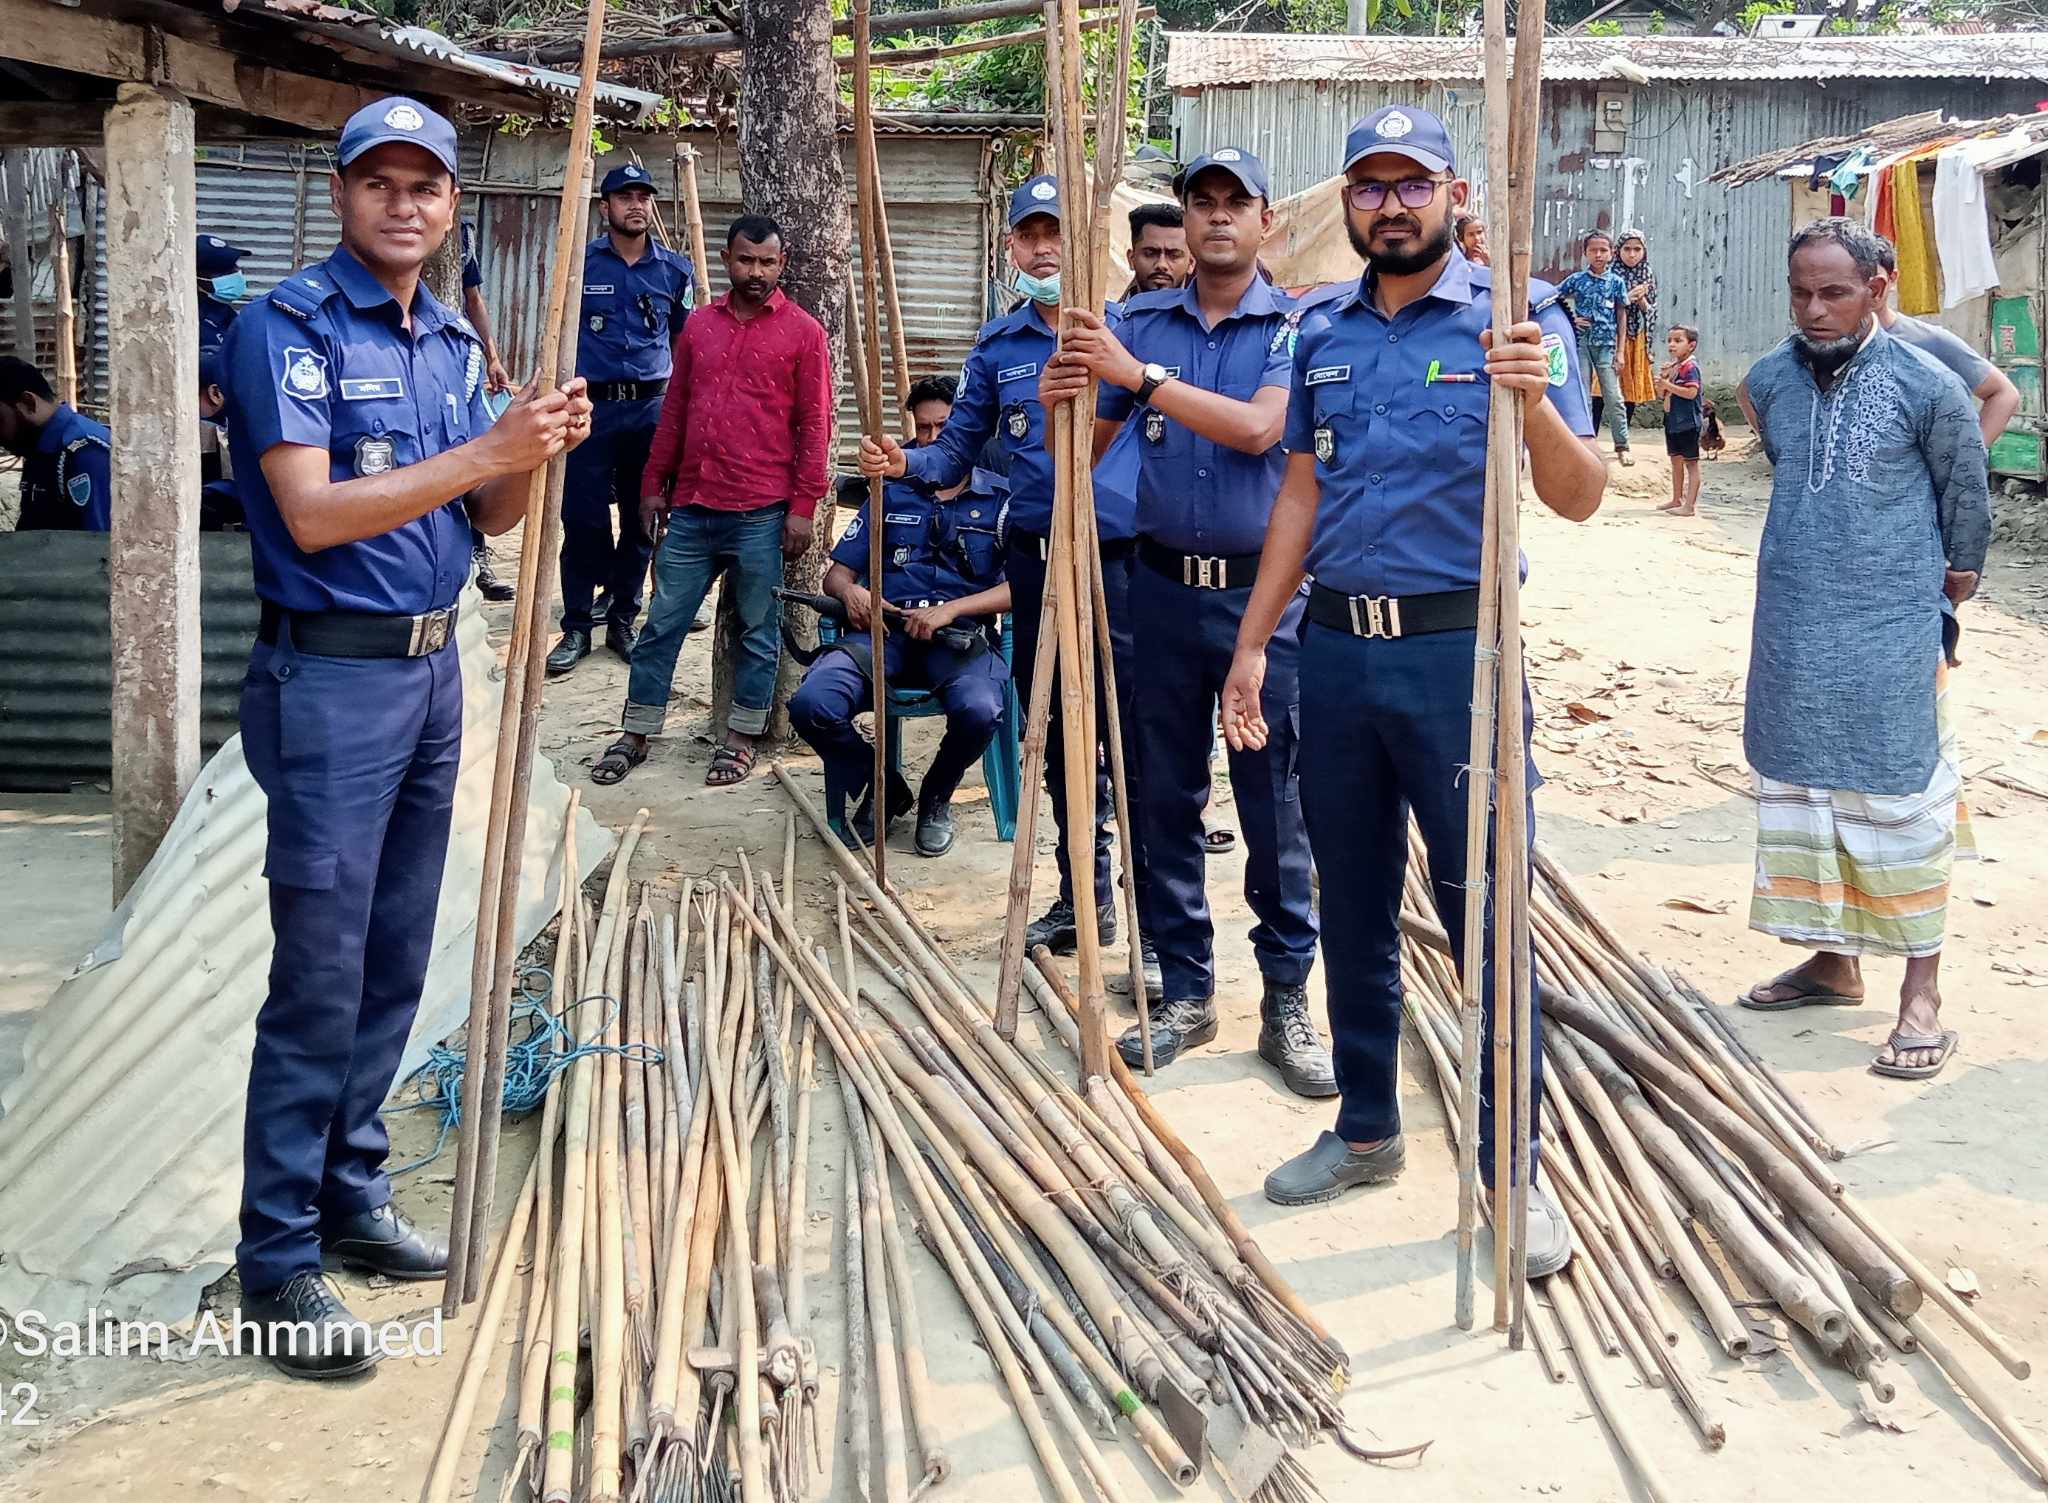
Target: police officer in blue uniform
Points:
(356, 400)
(999, 399)
(64, 454)
(221, 286)
(636, 294)
(1201, 374)
(1382, 505)
(942, 564)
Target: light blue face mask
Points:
(231, 288)
(1039, 289)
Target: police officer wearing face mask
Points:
(1201, 374)
(636, 294)
(999, 399)
(357, 404)
(1383, 504)
(221, 286)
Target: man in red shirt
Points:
(735, 474)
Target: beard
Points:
(1423, 252)
(1830, 354)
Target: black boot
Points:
(901, 802)
(571, 650)
(308, 1332)
(1119, 984)
(487, 582)
(1178, 1025)
(621, 637)
(1055, 929)
(385, 1241)
(1288, 1041)
(934, 826)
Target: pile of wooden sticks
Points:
(1688, 1171)
(659, 1254)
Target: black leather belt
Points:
(1041, 547)
(1393, 616)
(1233, 571)
(627, 391)
(355, 634)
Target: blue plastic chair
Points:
(1000, 763)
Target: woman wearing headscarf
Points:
(1633, 362)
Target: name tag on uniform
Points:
(368, 389)
(592, 289)
(897, 516)
(1017, 372)
(1326, 373)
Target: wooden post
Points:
(693, 216)
(64, 362)
(153, 365)
(867, 215)
(899, 347)
(15, 205)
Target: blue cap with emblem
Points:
(631, 175)
(1402, 130)
(1242, 165)
(397, 118)
(216, 257)
(1038, 195)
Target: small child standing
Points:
(1679, 385)
(1597, 298)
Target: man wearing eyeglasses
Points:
(1382, 506)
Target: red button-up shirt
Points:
(747, 420)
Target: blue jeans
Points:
(700, 545)
(1593, 362)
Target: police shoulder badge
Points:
(1560, 365)
(1017, 421)
(597, 323)
(79, 489)
(375, 456)
(305, 374)
(1155, 425)
(1326, 445)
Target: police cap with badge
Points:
(630, 175)
(1038, 195)
(1404, 131)
(401, 120)
(1249, 171)
(215, 257)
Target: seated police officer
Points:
(942, 576)
(357, 404)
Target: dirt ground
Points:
(1641, 622)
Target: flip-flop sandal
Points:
(620, 758)
(1803, 996)
(1216, 840)
(1902, 1042)
(729, 765)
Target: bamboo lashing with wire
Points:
(495, 951)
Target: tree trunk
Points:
(790, 171)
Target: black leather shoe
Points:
(385, 1241)
(901, 802)
(620, 637)
(1288, 1041)
(487, 582)
(571, 650)
(1176, 1026)
(1055, 928)
(601, 607)
(307, 1332)
(934, 827)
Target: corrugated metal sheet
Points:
(1203, 59)
(1718, 253)
(272, 200)
(120, 1150)
(56, 657)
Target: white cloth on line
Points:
(1962, 228)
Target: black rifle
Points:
(959, 637)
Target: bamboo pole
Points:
(1024, 844)
(60, 273)
(867, 192)
(899, 348)
(920, 1404)
(1564, 1300)
(495, 950)
(608, 1343)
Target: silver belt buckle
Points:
(429, 633)
(1375, 616)
(1204, 570)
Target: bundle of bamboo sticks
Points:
(668, 1346)
(1691, 1176)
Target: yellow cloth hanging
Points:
(1919, 276)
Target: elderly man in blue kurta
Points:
(1879, 509)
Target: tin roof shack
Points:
(1633, 128)
(2005, 154)
(136, 84)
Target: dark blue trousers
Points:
(1026, 571)
(1386, 728)
(604, 476)
(358, 758)
(1186, 639)
(969, 686)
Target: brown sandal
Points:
(729, 765)
(620, 758)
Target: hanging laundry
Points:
(1962, 228)
(1919, 279)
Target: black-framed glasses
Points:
(1413, 192)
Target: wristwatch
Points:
(1156, 376)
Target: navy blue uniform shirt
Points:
(1196, 495)
(631, 314)
(325, 361)
(998, 399)
(64, 479)
(1402, 459)
(215, 319)
(932, 550)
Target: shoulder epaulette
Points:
(302, 295)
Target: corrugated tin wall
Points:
(1718, 253)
